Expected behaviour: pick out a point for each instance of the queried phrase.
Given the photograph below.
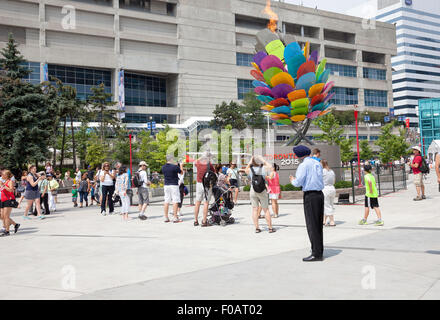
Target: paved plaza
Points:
(79, 254)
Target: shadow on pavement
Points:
(328, 253)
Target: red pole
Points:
(131, 169)
(356, 113)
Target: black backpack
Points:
(209, 178)
(258, 182)
(137, 182)
(424, 168)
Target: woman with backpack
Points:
(257, 170)
(7, 202)
(418, 172)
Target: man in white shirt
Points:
(143, 192)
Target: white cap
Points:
(417, 148)
(143, 163)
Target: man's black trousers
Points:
(314, 214)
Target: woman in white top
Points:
(106, 176)
(329, 193)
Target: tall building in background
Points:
(416, 68)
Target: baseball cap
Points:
(417, 148)
(143, 163)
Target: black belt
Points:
(312, 191)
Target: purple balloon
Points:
(264, 91)
(281, 90)
(314, 57)
(329, 97)
(259, 56)
(270, 62)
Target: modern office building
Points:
(181, 58)
(416, 68)
(429, 117)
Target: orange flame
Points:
(272, 25)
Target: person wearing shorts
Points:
(143, 192)
(371, 197)
(234, 174)
(171, 187)
(418, 175)
(259, 166)
(202, 195)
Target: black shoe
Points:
(17, 225)
(312, 258)
(4, 234)
(143, 217)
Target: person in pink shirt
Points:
(418, 175)
(274, 189)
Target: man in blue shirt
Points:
(171, 187)
(309, 177)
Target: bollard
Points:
(392, 176)
(352, 183)
(378, 179)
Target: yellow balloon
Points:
(256, 66)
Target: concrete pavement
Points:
(79, 254)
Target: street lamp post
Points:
(356, 115)
(151, 125)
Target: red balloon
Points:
(279, 102)
(318, 99)
(305, 68)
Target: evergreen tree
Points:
(26, 117)
(225, 114)
(392, 146)
(103, 110)
(121, 147)
(96, 151)
(346, 149)
(252, 113)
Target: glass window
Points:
(345, 96)
(375, 74)
(81, 79)
(244, 86)
(34, 76)
(342, 70)
(376, 98)
(244, 59)
(145, 118)
(145, 90)
(374, 138)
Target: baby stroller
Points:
(221, 210)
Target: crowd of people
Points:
(106, 185)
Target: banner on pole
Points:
(121, 93)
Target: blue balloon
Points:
(294, 63)
(257, 83)
(324, 76)
(291, 50)
(265, 99)
(306, 81)
(319, 107)
(282, 109)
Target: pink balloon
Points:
(328, 87)
(264, 91)
(270, 62)
(313, 115)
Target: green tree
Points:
(153, 150)
(121, 147)
(392, 146)
(251, 111)
(346, 149)
(103, 110)
(331, 129)
(96, 151)
(366, 152)
(225, 114)
(26, 117)
(82, 136)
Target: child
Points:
(371, 195)
(75, 195)
(92, 191)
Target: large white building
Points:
(182, 57)
(416, 68)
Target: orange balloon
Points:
(282, 77)
(267, 107)
(298, 118)
(316, 89)
(279, 116)
(297, 94)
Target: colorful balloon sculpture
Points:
(291, 83)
